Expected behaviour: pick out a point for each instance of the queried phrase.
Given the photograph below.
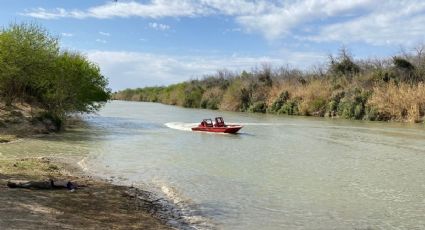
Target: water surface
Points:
(279, 173)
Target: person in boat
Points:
(219, 122)
(218, 126)
(207, 123)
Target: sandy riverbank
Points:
(95, 205)
(98, 204)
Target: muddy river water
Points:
(280, 172)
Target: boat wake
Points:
(181, 125)
(261, 124)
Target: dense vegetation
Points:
(386, 89)
(34, 70)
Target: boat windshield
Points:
(208, 121)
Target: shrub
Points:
(192, 96)
(372, 114)
(405, 70)
(399, 102)
(236, 97)
(333, 106)
(318, 107)
(346, 108)
(314, 97)
(290, 107)
(27, 55)
(258, 107)
(279, 102)
(359, 111)
(34, 70)
(211, 98)
(245, 99)
(353, 104)
(343, 65)
(344, 90)
(51, 121)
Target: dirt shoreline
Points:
(96, 204)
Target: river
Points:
(280, 172)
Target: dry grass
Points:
(340, 89)
(7, 138)
(214, 92)
(274, 93)
(135, 97)
(402, 102)
(32, 168)
(232, 97)
(176, 97)
(313, 96)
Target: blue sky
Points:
(159, 42)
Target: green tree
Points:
(343, 65)
(34, 70)
(27, 52)
(405, 70)
(76, 85)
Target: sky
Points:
(140, 43)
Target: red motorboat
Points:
(218, 127)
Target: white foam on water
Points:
(261, 124)
(171, 194)
(188, 209)
(181, 125)
(82, 163)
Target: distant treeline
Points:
(384, 89)
(34, 70)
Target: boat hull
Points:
(226, 129)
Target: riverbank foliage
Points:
(386, 89)
(34, 70)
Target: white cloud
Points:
(135, 69)
(101, 41)
(106, 34)
(159, 26)
(374, 22)
(397, 23)
(152, 9)
(239, 7)
(43, 13)
(230, 30)
(67, 34)
(279, 20)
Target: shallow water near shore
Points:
(280, 172)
